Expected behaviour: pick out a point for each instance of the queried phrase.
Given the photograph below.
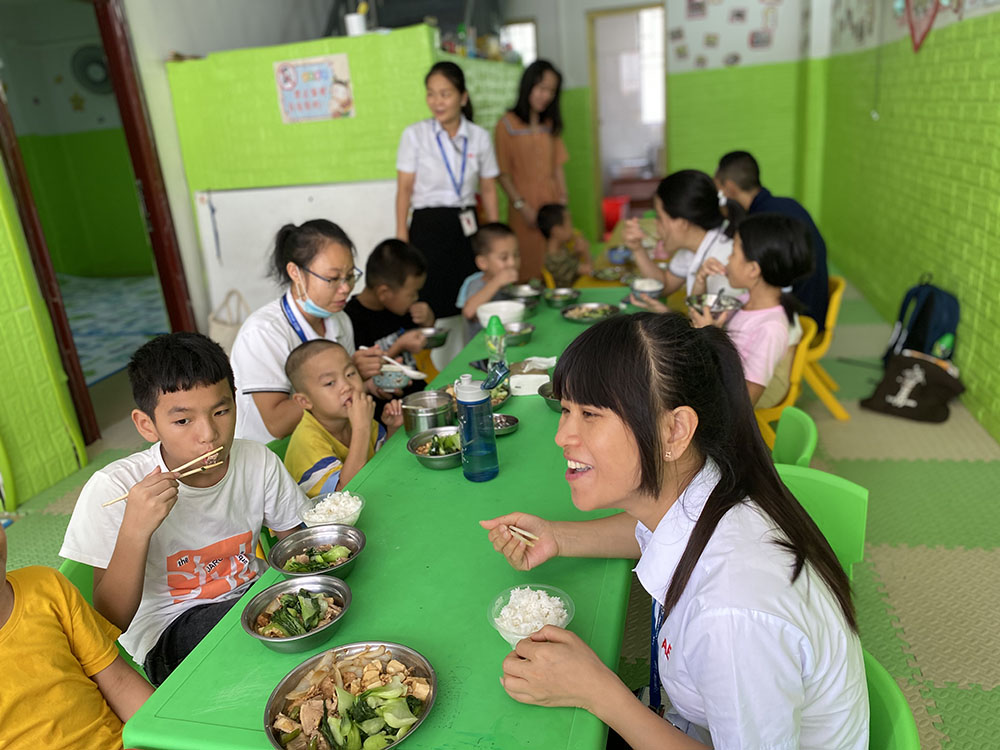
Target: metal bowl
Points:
(334, 587)
(518, 334)
(435, 462)
(299, 541)
(561, 297)
(405, 655)
(545, 391)
(727, 305)
(504, 424)
(619, 255)
(435, 337)
(612, 273)
(426, 409)
(525, 293)
(582, 313)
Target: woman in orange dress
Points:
(531, 155)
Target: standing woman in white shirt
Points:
(754, 633)
(316, 261)
(440, 163)
(692, 227)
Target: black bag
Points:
(916, 386)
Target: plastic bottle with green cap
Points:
(495, 347)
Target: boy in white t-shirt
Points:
(172, 558)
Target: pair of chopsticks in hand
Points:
(527, 537)
(190, 463)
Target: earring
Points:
(667, 456)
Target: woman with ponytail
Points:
(754, 632)
(770, 252)
(440, 163)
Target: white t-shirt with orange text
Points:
(204, 550)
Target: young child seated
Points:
(498, 261)
(337, 434)
(65, 684)
(173, 558)
(567, 252)
(769, 252)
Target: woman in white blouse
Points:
(754, 630)
(441, 162)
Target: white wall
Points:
(197, 27)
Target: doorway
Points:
(79, 169)
(628, 80)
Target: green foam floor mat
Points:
(970, 717)
(35, 540)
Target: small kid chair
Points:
(773, 413)
(795, 439)
(890, 725)
(837, 506)
(818, 378)
(7, 474)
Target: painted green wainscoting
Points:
(581, 175)
(37, 424)
(916, 191)
(84, 188)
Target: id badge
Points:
(467, 219)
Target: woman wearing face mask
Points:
(440, 163)
(692, 228)
(754, 632)
(316, 261)
(531, 155)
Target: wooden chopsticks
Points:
(192, 462)
(527, 537)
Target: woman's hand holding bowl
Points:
(510, 545)
(648, 303)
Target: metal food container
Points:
(298, 542)
(518, 334)
(427, 409)
(525, 293)
(450, 461)
(328, 585)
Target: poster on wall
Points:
(317, 88)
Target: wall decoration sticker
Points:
(738, 15)
(701, 61)
(920, 16)
(696, 8)
(733, 58)
(316, 88)
(681, 50)
(711, 40)
(760, 38)
(676, 34)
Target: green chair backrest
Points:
(82, 576)
(891, 724)
(795, 439)
(649, 214)
(280, 446)
(838, 507)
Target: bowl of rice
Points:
(334, 507)
(519, 611)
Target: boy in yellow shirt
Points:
(337, 434)
(64, 683)
(567, 252)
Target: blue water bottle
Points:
(475, 421)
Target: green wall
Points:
(37, 425)
(578, 135)
(918, 190)
(85, 192)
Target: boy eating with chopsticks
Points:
(175, 554)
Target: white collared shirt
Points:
(263, 344)
(759, 661)
(419, 154)
(686, 263)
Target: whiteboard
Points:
(237, 228)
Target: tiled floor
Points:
(927, 594)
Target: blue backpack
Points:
(928, 322)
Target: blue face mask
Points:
(311, 308)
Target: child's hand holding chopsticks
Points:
(150, 501)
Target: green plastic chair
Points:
(891, 723)
(82, 576)
(280, 446)
(795, 439)
(649, 214)
(838, 507)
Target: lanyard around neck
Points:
(658, 616)
(292, 320)
(457, 184)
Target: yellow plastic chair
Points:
(773, 413)
(425, 364)
(818, 378)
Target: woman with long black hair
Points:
(754, 631)
(441, 162)
(531, 154)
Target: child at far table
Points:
(338, 434)
(65, 685)
(498, 261)
(178, 553)
(567, 252)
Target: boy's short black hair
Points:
(176, 362)
(392, 262)
(741, 168)
(549, 217)
(302, 354)
(482, 241)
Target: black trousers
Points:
(438, 234)
(180, 638)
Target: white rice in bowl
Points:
(529, 610)
(334, 507)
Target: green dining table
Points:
(425, 580)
